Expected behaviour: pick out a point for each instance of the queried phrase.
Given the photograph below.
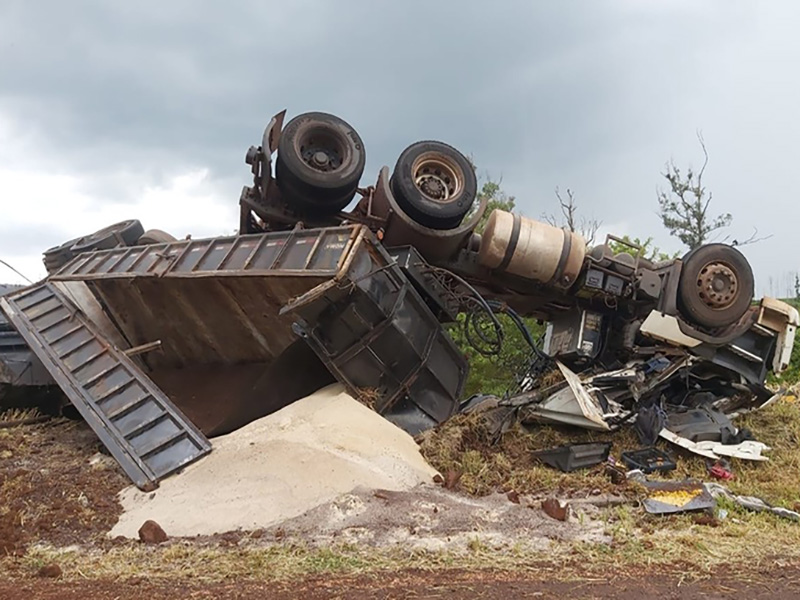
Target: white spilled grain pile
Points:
(280, 466)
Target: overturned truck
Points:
(161, 342)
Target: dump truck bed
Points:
(214, 301)
(227, 307)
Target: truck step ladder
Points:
(142, 429)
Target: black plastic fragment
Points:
(648, 460)
(575, 456)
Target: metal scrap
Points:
(751, 503)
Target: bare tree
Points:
(684, 208)
(570, 219)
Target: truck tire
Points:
(128, 232)
(716, 286)
(434, 184)
(56, 257)
(155, 236)
(320, 161)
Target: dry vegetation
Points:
(463, 446)
(63, 501)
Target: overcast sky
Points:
(117, 110)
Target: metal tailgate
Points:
(143, 430)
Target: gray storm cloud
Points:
(594, 96)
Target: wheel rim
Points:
(717, 285)
(437, 177)
(321, 150)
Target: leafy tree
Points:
(684, 208)
(495, 374)
(649, 250)
(496, 199)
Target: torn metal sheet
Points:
(687, 444)
(748, 450)
(669, 497)
(572, 405)
(751, 502)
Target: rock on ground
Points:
(279, 467)
(151, 533)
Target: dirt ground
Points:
(55, 486)
(58, 499)
(776, 584)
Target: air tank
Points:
(531, 249)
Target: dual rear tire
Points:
(321, 159)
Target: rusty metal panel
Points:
(375, 333)
(215, 301)
(143, 430)
(296, 252)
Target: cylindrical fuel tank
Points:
(531, 249)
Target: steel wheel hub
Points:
(322, 152)
(435, 177)
(717, 285)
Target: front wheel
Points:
(716, 285)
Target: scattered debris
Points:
(751, 503)
(721, 470)
(649, 460)
(575, 456)
(666, 497)
(556, 509)
(616, 474)
(748, 450)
